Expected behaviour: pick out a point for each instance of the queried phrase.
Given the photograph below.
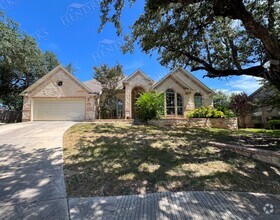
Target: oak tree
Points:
(223, 38)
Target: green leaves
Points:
(150, 105)
(51, 60)
(21, 62)
(109, 79)
(206, 112)
(223, 38)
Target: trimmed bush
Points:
(206, 112)
(150, 105)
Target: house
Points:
(60, 96)
(260, 114)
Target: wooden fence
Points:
(10, 116)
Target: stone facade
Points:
(47, 87)
(195, 87)
(182, 83)
(259, 115)
(138, 79)
(225, 123)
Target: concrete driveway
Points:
(31, 173)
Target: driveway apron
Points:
(31, 171)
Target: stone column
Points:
(127, 101)
(90, 111)
(26, 109)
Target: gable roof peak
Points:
(49, 74)
(139, 71)
(178, 80)
(196, 80)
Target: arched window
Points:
(170, 102)
(197, 100)
(179, 104)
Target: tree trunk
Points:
(273, 75)
(235, 9)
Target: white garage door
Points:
(59, 109)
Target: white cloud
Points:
(244, 83)
(228, 91)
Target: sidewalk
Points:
(178, 205)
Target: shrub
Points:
(150, 105)
(274, 123)
(228, 113)
(206, 112)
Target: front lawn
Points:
(119, 159)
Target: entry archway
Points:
(135, 93)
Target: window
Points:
(197, 100)
(170, 102)
(120, 108)
(179, 105)
(257, 116)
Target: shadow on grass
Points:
(106, 159)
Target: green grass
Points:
(119, 159)
(259, 131)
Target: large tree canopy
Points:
(21, 62)
(224, 38)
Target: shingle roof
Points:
(96, 86)
(93, 85)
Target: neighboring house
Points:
(260, 115)
(60, 96)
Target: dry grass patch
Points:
(107, 159)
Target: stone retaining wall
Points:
(226, 123)
(272, 157)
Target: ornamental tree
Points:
(241, 105)
(109, 79)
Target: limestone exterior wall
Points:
(49, 89)
(26, 109)
(136, 81)
(207, 99)
(170, 83)
(187, 94)
(225, 123)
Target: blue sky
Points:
(74, 38)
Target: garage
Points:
(56, 109)
(58, 95)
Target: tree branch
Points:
(234, 53)
(235, 9)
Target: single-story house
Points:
(60, 96)
(260, 114)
